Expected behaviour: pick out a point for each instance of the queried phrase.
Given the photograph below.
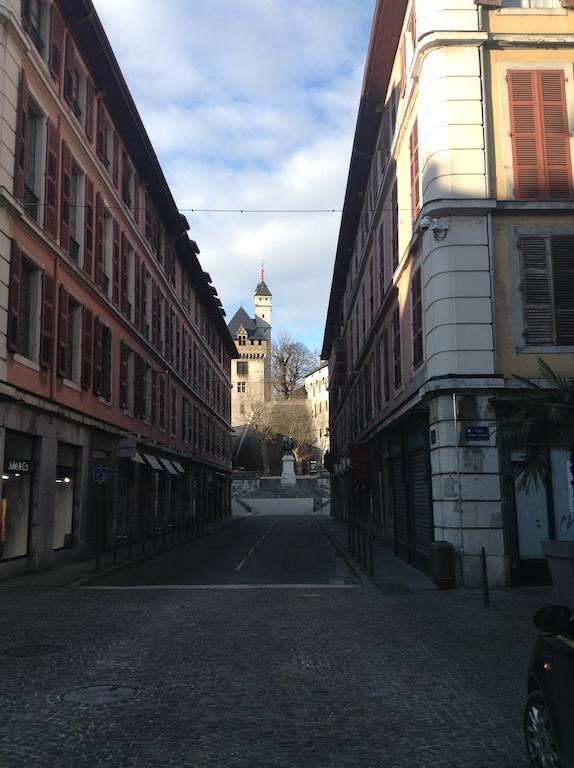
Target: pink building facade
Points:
(114, 352)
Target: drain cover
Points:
(99, 694)
(26, 651)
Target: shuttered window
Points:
(417, 318)
(547, 285)
(56, 42)
(51, 201)
(397, 361)
(89, 228)
(48, 317)
(540, 135)
(414, 158)
(87, 347)
(395, 225)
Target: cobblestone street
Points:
(248, 675)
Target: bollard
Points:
(485, 592)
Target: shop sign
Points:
(477, 433)
(100, 474)
(126, 448)
(21, 466)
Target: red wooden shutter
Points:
(97, 356)
(69, 63)
(89, 224)
(563, 280)
(51, 202)
(154, 316)
(62, 330)
(177, 345)
(167, 331)
(536, 290)
(116, 265)
(21, 138)
(87, 347)
(143, 319)
(554, 119)
(115, 159)
(414, 157)
(153, 414)
(124, 275)
(56, 42)
(65, 198)
(99, 262)
(25, 11)
(417, 318)
(100, 132)
(395, 226)
(138, 294)
(90, 96)
(403, 54)
(526, 140)
(540, 135)
(139, 387)
(397, 361)
(125, 179)
(136, 198)
(47, 326)
(14, 296)
(123, 375)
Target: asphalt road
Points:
(260, 550)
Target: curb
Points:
(356, 569)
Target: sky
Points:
(251, 104)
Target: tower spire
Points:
(262, 272)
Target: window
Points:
(127, 378)
(71, 346)
(242, 340)
(547, 287)
(397, 362)
(530, 3)
(102, 360)
(38, 25)
(417, 318)
(161, 408)
(173, 411)
(107, 142)
(242, 368)
(33, 144)
(128, 183)
(108, 253)
(241, 386)
(414, 160)
(76, 215)
(540, 135)
(395, 225)
(24, 304)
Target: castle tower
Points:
(262, 301)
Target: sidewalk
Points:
(75, 573)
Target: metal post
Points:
(115, 548)
(485, 592)
(130, 543)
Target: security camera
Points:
(426, 223)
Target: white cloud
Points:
(251, 104)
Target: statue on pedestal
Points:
(287, 445)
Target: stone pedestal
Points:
(288, 473)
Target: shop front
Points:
(17, 483)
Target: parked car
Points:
(549, 711)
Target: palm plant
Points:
(542, 416)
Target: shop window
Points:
(15, 500)
(64, 498)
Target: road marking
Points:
(252, 550)
(223, 586)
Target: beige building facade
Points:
(251, 372)
(454, 271)
(317, 389)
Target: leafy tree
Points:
(291, 361)
(541, 416)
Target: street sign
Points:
(126, 448)
(477, 433)
(100, 474)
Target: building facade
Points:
(317, 389)
(455, 271)
(251, 372)
(114, 353)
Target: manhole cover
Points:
(26, 651)
(99, 694)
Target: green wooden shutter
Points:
(563, 283)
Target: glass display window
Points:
(64, 497)
(15, 501)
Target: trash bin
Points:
(442, 564)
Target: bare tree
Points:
(291, 361)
